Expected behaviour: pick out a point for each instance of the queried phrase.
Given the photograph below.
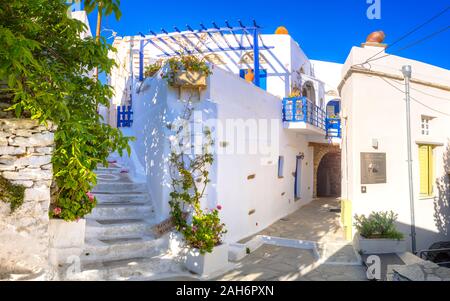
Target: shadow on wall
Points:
(424, 237)
(442, 200)
(156, 108)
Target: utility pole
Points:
(406, 70)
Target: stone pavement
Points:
(313, 222)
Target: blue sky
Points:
(325, 29)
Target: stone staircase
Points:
(119, 243)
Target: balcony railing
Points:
(301, 109)
(333, 127)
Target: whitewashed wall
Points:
(281, 62)
(270, 197)
(375, 110)
(227, 97)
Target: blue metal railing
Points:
(333, 127)
(301, 109)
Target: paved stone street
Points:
(312, 222)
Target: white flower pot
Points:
(207, 263)
(66, 240)
(378, 245)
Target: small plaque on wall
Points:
(373, 168)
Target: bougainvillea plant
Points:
(189, 180)
(46, 63)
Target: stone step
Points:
(113, 188)
(104, 229)
(100, 250)
(123, 198)
(138, 268)
(113, 211)
(108, 170)
(113, 178)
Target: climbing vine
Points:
(189, 179)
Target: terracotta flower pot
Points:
(376, 37)
(250, 76)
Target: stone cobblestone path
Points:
(313, 222)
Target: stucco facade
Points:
(374, 121)
(252, 188)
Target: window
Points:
(280, 166)
(426, 169)
(425, 125)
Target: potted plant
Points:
(377, 234)
(187, 71)
(207, 253)
(203, 230)
(67, 230)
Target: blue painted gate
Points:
(124, 116)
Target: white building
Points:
(256, 186)
(374, 141)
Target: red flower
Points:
(90, 196)
(219, 207)
(57, 211)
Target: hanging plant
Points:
(187, 71)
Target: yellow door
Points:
(426, 169)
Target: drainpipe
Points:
(406, 70)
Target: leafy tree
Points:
(44, 65)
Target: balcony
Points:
(301, 115)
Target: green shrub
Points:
(152, 69)
(44, 61)
(11, 193)
(205, 232)
(378, 225)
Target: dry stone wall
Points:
(25, 159)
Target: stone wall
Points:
(320, 150)
(329, 176)
(25, 159)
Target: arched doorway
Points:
(309, 92)
(329, 175)
(320, 151)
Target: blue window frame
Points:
(262, 77)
